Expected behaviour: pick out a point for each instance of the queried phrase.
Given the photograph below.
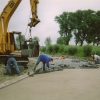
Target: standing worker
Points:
(11, 60)
(45, 59)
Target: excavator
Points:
(8, 39)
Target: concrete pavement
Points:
(69, 84)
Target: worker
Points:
(11, 60)
(96, 59)
(45, 59)
(62, 57)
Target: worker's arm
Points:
(47, 63)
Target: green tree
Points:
(83, 28)
(32, 43)
(79, 36)
(20, 40)
(61, 40)
(90, 21)
(65, 27)
(35, 38)
(83, 24)
(48, 41)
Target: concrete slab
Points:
(69, 84)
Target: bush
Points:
(95, 50)
(56, 48)
(72, 50)
(49, 49)
(66, 50)
(61, 48)
(87, 50)
(43, 49)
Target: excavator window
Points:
(17, 44)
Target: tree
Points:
(32, 43)
(84, 25)
(35, 39)
(48, 41)
(60, 40)
(65, 27)
(20, 40)
(83, 28)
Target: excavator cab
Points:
(15, 45)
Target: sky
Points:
(47, 10)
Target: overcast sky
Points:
(47, 10)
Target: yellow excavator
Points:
(8, 39)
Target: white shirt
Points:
(96, 57)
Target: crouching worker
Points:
(11, 60)
(45, 59)
(96, 59)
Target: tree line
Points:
(84, 25)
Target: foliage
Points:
(61, 48)
(20, 38)
(48, 41)
(65, 27)
(96, 50)
(43, 48)
(72, 50)
(66, 49)
(56, 48)
(61, 40)
(80, 51)
(35, 38)
(87, 50)
(32, 43)
(83, 24)
(49, 49)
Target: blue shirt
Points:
(45, 58)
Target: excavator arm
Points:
(34, 19)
